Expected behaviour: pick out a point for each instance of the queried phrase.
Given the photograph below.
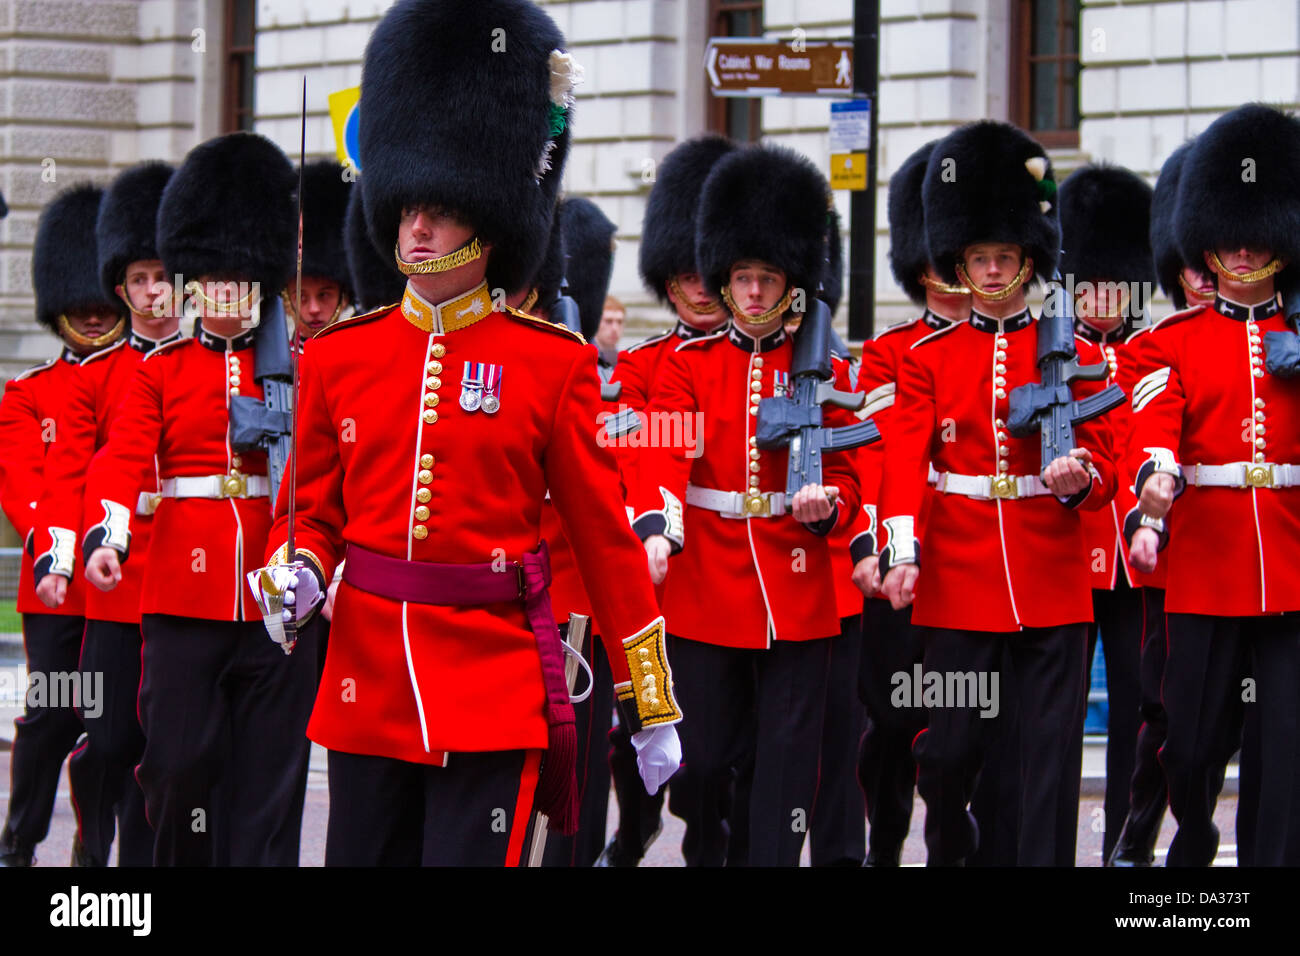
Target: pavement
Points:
(666, 851)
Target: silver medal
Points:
(470, 398)
(491, 404)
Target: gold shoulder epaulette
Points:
(29, 372)
(543, 323)
(170, 346)
(356, 320)
(120, 343)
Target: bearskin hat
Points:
(229, 209)
(908, 257)
(1239, 185)
(375, 280)
(989, 182)
(65, 266)
(126, 230)
(551, 272)
(668, 229)
(324, 210)
(588, 256)
(833, 270)
(1164, 242)
(768, 203)
(1106, 225)
(468, 106)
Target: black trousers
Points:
(839, 822)
(1046, 675)
(1148, 792)
(473, 812)
(995, 804)
(748, 707)
(1206, 696)
(102, 769)
(640, 814)
(593, 717)
(886, 770)
(1120, 621)
(48, 730)
(224, 713)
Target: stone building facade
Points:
(93, 86)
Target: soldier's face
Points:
(1103, 305)
(756, 286)
(693, 292)
(146, 283)
(1201, 282)
(91, 323)
(430, 232)
(992, 265)
(1243, 259)
(321, 299)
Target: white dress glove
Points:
(658, 755)
(285, 592)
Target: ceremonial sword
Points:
(291, 626)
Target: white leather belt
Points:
(988, 487)
(1244, 474)
(737, 504)
(217, 486)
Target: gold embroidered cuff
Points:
(651, 687)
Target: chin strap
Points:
(1194, 296)
(934, 285)
(138, 313)
(452, 260)
(1248, 278)
(1001, 294)
(675, 288)
(293, 313)
(244, 307)
(744, 318)
(90, 342)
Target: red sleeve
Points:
(117, 472)
(663, 472)
(1157, 403)
(907, 462)
(583, 480)
(318, 511)
(61, 504)
(22, 455)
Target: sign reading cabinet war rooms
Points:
(758, 67)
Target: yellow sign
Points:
(849, 171)
(345, 115)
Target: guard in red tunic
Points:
(749, 589)
(1188, 286)
(667, 267)
(1215, 429)
(70, 302)
(886, 770)
(1105, 238)
(425, 455)
(326, 281)
(102, 768)
(999, 565)
(223, 711)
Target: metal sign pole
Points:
(862, 204)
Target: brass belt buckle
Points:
(1003, 486)
(1259, 476)
(758, 505)
(235, 486)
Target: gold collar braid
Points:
(1249, 278)
(90, 342)
(452, 260)
(1000, 295)
(675, 288)
(934, 285)
(745, 318)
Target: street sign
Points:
(345, 116)
(849, 171)
(758, 67)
